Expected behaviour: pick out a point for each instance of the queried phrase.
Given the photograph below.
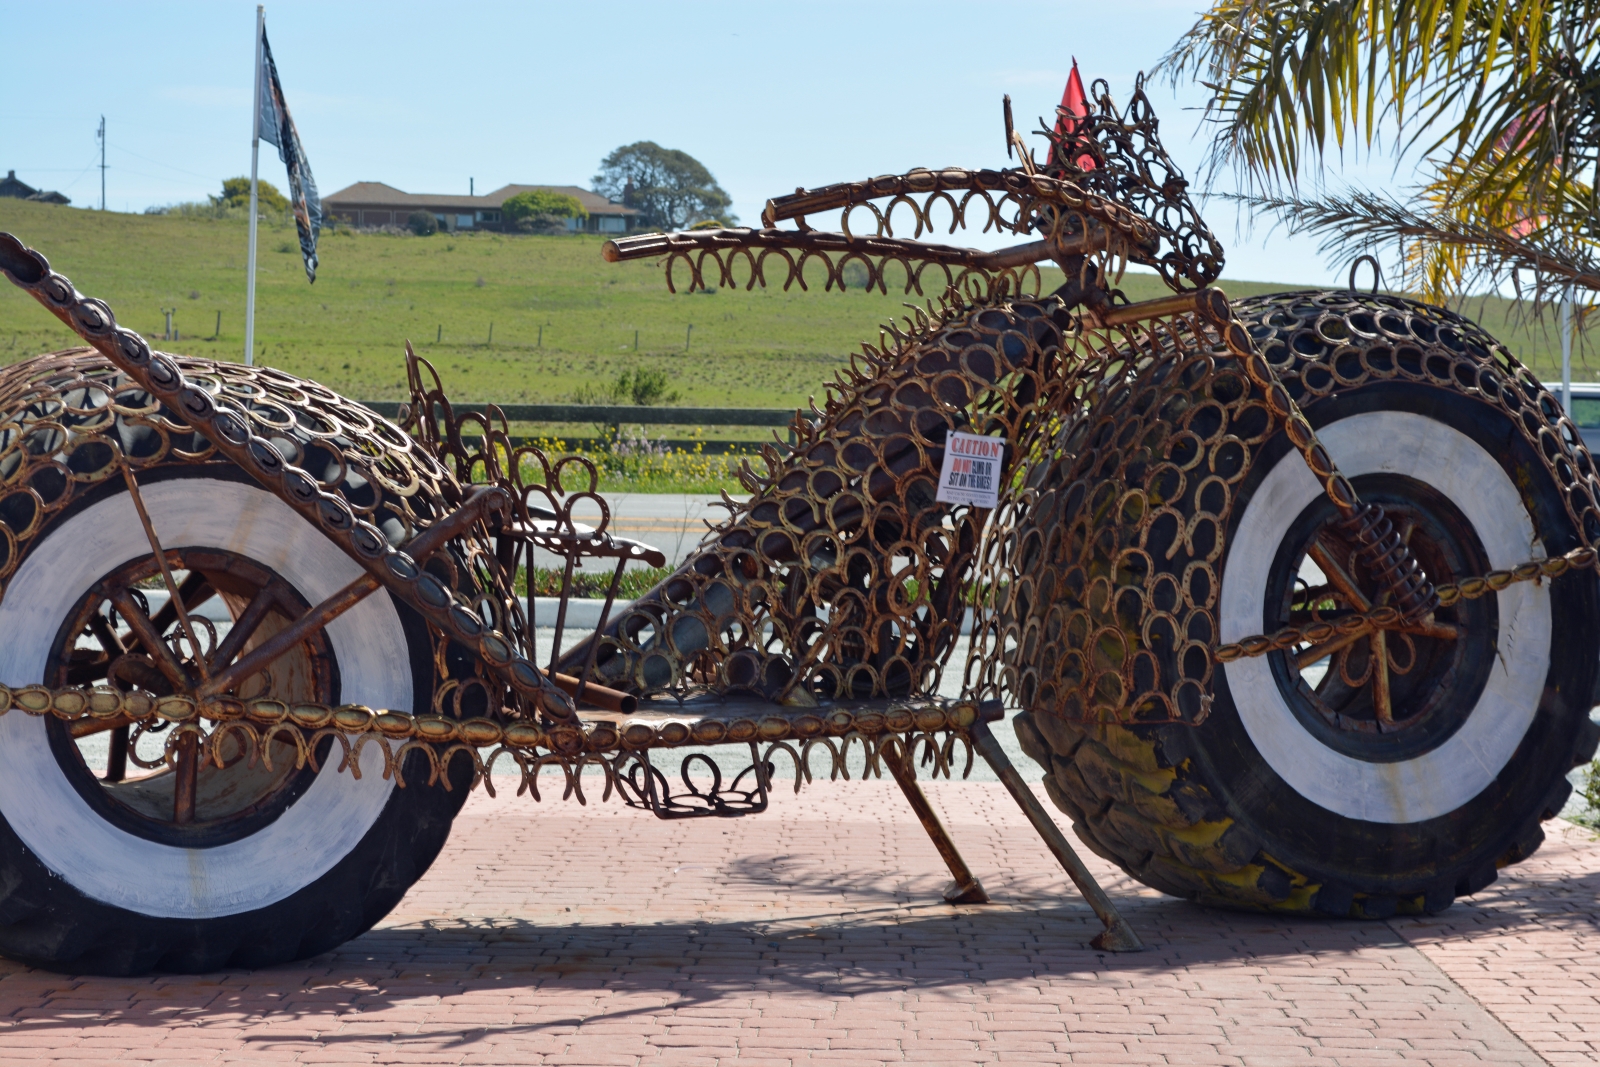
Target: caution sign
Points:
(971, 470)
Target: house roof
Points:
(379, 194)
(11, 185)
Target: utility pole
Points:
(102, 135)
(1566, 352)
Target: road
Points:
(672, 522)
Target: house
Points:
(13, 187)
(369, 204)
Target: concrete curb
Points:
(584, 614)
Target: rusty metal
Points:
(597, 695)
(824, 610)
(1389, 618)
(95, 674)
(383, 491)
(964, 887)
(1117, 936)
(172, 586)
(264, 654)
(835, 252)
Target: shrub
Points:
(541, 211)
(236, 193)
(642, 386)
(422, 223)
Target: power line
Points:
(169, 166)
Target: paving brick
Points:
(814, 935)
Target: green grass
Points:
(765, 348)
(592, 584)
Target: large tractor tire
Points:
(1288, 781)
(103, 869)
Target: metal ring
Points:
(1377, 272)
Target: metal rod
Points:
(561, 616)
(1338, 577)
(1177, 304)
(117, 758)
(186, 771)
(244, 626)
(596, 694)
(291, 635)
(166, 572)
(966, 889)
(1118, 936)
(1382, 705)
(147, 636)
(600, 627)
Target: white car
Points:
(1584, 409)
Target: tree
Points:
(541, 211)
(422, 223)
(1501, 99)
(236, 193)
(670, 187)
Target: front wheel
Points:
(1391, 770)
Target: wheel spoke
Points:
(100, 626)
(1336, 575)
(1379, 667)
(195, 590)
(1311, 655)
(117, 758)
(249, 620)
(263, 655)
(166, 571)
(185, 772)
(148, 636)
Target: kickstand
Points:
(965, 889)
(1118, 936)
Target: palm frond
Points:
(1507, 93)
(1442, 252)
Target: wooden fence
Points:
(618, 416)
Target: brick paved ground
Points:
(550, 934)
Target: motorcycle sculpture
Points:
(1292, 599)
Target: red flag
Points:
(1074, 107)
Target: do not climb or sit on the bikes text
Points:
(970, 473)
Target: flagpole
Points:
(255, 160)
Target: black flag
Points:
(277, 128)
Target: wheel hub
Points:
(127, 633)
(1390, 693)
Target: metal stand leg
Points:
(1118, 936)
(965, 889)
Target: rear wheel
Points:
(1393, 770)
(114, 862)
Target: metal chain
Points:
(255, 724)
(1387, 617)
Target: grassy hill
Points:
(765, 348)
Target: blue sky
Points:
(425, 96)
